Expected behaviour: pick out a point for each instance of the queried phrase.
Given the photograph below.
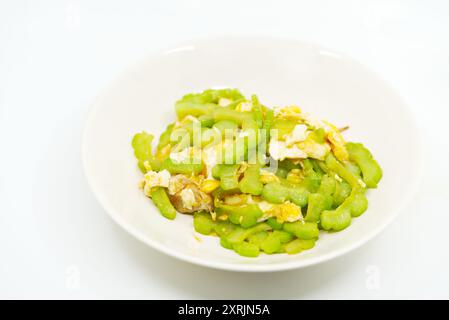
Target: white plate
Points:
(323, 82)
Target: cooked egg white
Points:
(176, 184)
(298, 145)
(285, 212)
(188, 198)
(186, 155)
(223, 102)
(279, 150)
(313, 122)
(337, 142)
(210, 156)
(314, 149)
(244, 106)
(155, 179)
(298, 134)
(289, 112)
(180, 156)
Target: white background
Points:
(55, 56)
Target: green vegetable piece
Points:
(274, 224)
(340, 218)
(281, 173)
(250, 182)
(241, 234)
(226, 244)
(371, 171)
(250, 123)
(224, 228)
(227, 173)
(189, 108)
(305, 231)
(283, 236)
(276, 192)
(316, 166)
(317, 203)
(298, 195)
(257, 238)
(318, 135)
(312, 178)
(283, 126)
(323, 200)
(298, 245)
(220, 114)
(203, 223)
(184, 168)
(271, 244)
(257, 110)
(224, 125)
(206, 120)
(238, 235)
(359, 204)
(327, 186)
(197, 104)
(182, 137)
(162, 202)
(342, 191)
(287, 164)
(267, 124)
(354, 168)
(246, 249)
(333, 164)
(164, 139)
(209, 137)
(141, 144)
(336, 220)
(246, 215)
(214, 95)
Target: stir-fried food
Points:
(261, 179)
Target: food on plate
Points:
(261, 179)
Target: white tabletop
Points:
(55, 56)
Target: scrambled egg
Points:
(267, 177)
(244, 106)
(285, 212)
(155, 179)
(180, 156)
(297, 145)
(334, 136)
(298, 134)
(188, 198)
(279, 150)
(295, 176)
(337, 142)
(209, 185)
(313, 122)
(189, 154)
(314, 149)
(186, 195)
(210, 158)
(300, 145)
(238, 199)
(186, 119)
(289, 112)
(177, 183)
(223, 102)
